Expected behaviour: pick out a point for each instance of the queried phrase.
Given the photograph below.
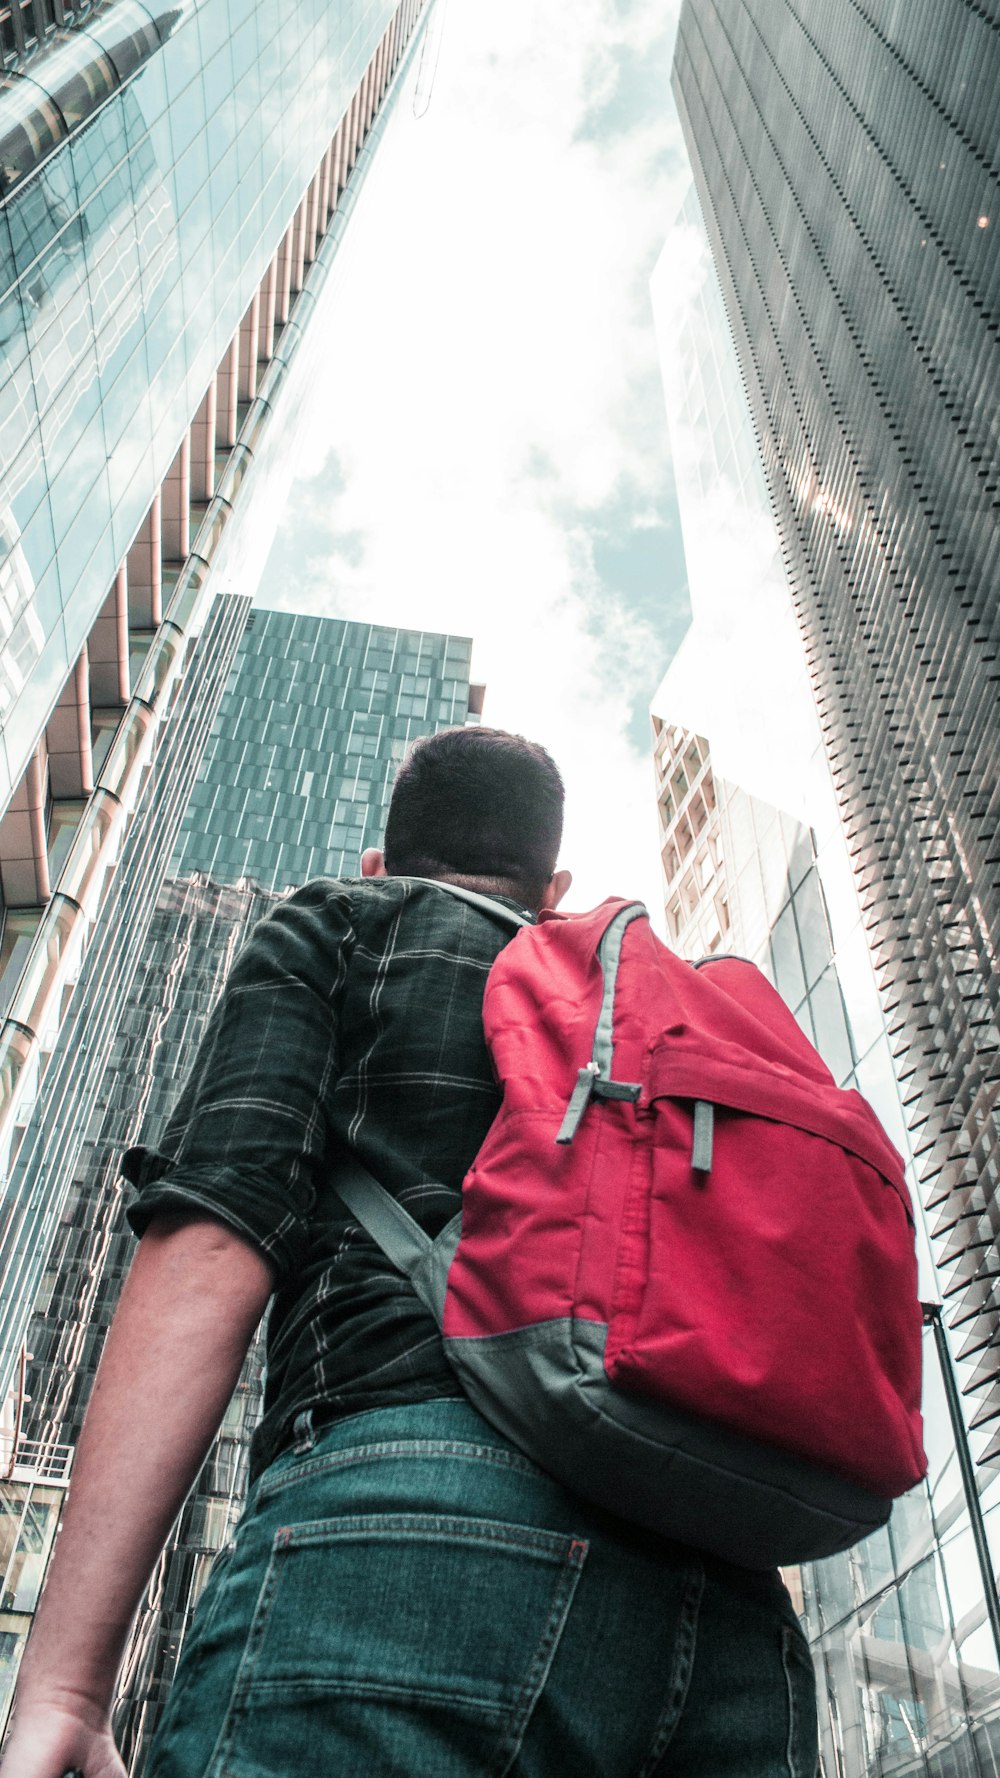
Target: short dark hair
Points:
(477, 802)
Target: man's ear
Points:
(373, 863)
(556, 887)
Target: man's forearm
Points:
(188, 1311)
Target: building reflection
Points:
(755, 861)
(33, 1480)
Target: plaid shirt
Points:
(352, 1019)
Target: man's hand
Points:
(52, 1737)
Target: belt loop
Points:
(303, 1435)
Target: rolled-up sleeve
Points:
(247, 1138)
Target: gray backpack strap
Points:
(405, 1244)
(391, 1227)
(483, 902)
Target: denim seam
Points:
(219, 1762)
(201, 1625)
(788, 1638)
(430, 1527)
(374, 1691)
(548, 1642)
(354, 1454)
(683, 1666)
(199, 1629)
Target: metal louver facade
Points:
(26, 26)
(846, 164)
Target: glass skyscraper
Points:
(756, 861)
(315, 718)
(845, 162)
(168, 173)
(295, 777)
(175, 187)
(845, 165)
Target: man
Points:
(407, 1594)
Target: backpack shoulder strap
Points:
(392, 1228)
(425, 1262)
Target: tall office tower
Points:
(174, 185)
(903, 1629)
(293, 783)
(299, 766)
(845, 161)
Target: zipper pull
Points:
(701, 1147)
(578, 1102)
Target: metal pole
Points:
(932, 1318)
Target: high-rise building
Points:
(293, 783)
(899, 1627)
(315, 718)
(845, 163)
(174, 185)
(168, 177)
(903, 1629)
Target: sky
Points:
(485, 450)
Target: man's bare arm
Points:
(191, 1302)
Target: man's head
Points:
(479, 807)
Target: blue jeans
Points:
(407, 1596)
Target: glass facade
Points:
(174, 186)
(345, 698)
(179, 968)
(109, 744)
(29, 1519)
(41, 1166)
(128, 257)
(845, 160)
(756, 861)
(315, 718)
(906, 1659)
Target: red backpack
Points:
(683, 1278)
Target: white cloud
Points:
(491, 384)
